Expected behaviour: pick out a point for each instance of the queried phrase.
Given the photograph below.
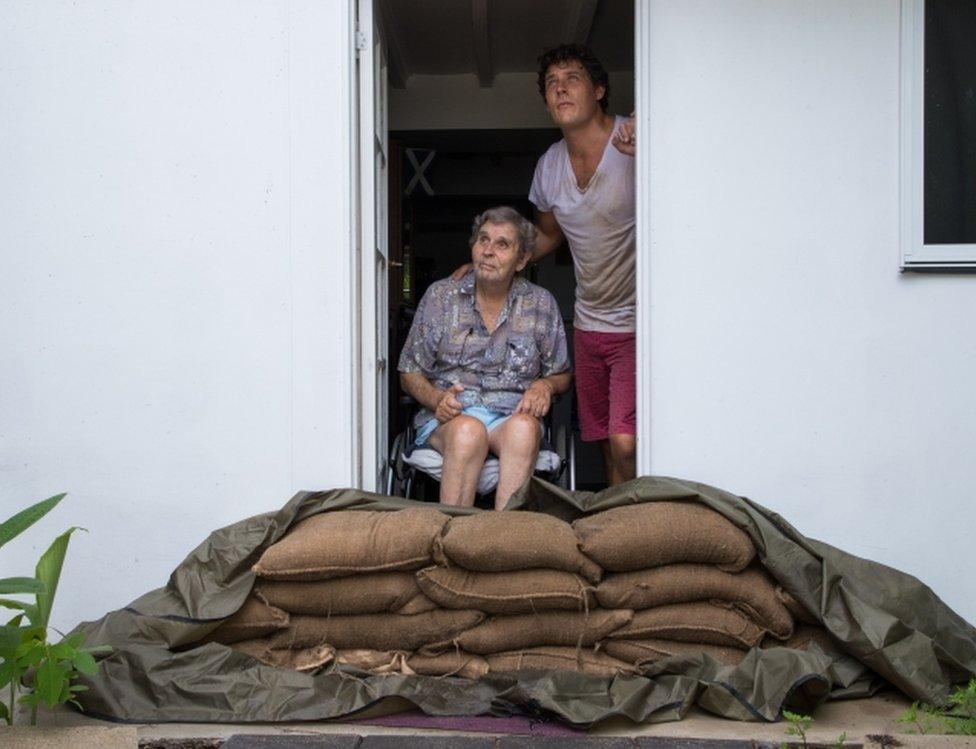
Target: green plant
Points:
(24, 644)
(799, 725)
(963, 702)
(958, 717)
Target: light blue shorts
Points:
(486, 416)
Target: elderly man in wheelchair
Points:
(484, 357)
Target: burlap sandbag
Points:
(373, 593)
(803, 635)
(377, 631)
(562, 659)
(569, 628)
(374, 661)
(519, 592)
(299, 659)
(507, 541)
(796, 609)
(451, 663)
(417, 605)
(750, 591)
(253, 619)
(635, 537)
(700, 622)
(651, 650)
(349, 542)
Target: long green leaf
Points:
(48, 571)
(28, 608)
(49, 681)
(31, 653)
(85, 663)
(10, 672)
(9, 640)
(10, 585)
(14, 526)
(63, 651)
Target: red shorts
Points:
(605, 368)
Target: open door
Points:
(373, 250)
(439, 34)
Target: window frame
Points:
(915, 254)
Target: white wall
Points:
(457, 102)
(790, 361)
(176, 279)
(175, 275)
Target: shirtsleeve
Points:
(553, 353)
(419, 353)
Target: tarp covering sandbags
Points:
(643, 657)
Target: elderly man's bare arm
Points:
(443, 403)
(538, 398)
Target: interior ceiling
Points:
(487, 37)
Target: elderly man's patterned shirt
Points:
(449, 343)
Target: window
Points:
(938, 134)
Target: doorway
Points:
(466, 126)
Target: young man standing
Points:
(583, 189)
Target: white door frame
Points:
(642, 105)
(366, 417)
(370, 310)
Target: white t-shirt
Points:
(599, 225)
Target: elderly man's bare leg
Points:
(463, 441)
(516, 443)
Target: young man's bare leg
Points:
(516, 443)
(463, 441)
(623, 449)
(619, 457)
(609, 469)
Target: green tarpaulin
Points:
(891, 627)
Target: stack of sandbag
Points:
(685, 571)
(343, 587)
(414, 591)
(525, 572)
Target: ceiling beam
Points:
(482, 46)
(397, 68)
(579, 20)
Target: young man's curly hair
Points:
(585, 57)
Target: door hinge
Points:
(360, 41)
(381, 364)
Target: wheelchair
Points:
(410, 467)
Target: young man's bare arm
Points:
(548, 237)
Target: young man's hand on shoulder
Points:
(625, 139)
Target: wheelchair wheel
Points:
(395, 468)
(564, 445)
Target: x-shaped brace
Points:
(419, 169)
